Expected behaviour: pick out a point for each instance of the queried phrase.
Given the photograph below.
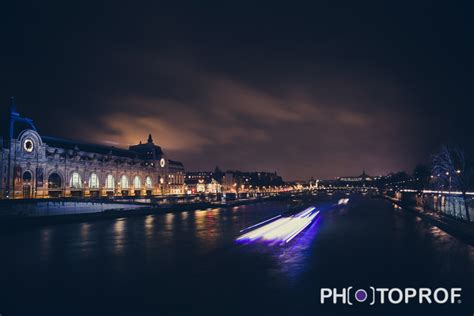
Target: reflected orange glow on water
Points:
(85, 227)
(165, 257)
(438, 232)
(149, 222)
(85, 240)
(169, 217)
(205, 229)
(119, 234)
(200, 220)
(441, 238)
(149, 225)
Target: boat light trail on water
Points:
(342, 201)
(280, 229)
(260, 224)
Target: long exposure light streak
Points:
(260, 224)
(342, 201)
(280, 229)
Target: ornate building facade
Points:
(37, 166)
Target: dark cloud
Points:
(230, 123)
(316, 91)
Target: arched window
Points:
(137, 183)
(93, 181)
(76, 181)
(124, 182)
(110, 182)
(27, 176)
(148, 182)
(54, 181)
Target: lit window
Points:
(76, 181)
(148, 183)
(93, 181)
(110, 182)
(137, 183)
(124, 182)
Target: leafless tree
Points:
(451, 169)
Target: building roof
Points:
(86, 147)
(147, 147)
(175, 163)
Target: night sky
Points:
(319, 90)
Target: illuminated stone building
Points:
(203, 182)
(37, 166)
(230, 181)
(363, 178)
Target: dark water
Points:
(188, 263)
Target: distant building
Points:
(176, 176)
(214, 187)
(362, 178)
(37, 166)
(231, 181)
(228, 182)
(204, 181)
(260, 180)
(200, 175)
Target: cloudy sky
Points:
(317, 90)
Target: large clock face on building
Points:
(28, 145)
(162, 162)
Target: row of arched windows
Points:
(76, 182)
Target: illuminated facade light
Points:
(65, 168)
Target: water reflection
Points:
(149, 223)
(149, 226)
(206, 227)
(119, 235)
(294, 259)
(169, 219)
(84, 230)
(192, 256)
(45, 243)
(396, 206)
(199, 220)
(85, 242)
(438, 232)
(289, 260)
(149, 231)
